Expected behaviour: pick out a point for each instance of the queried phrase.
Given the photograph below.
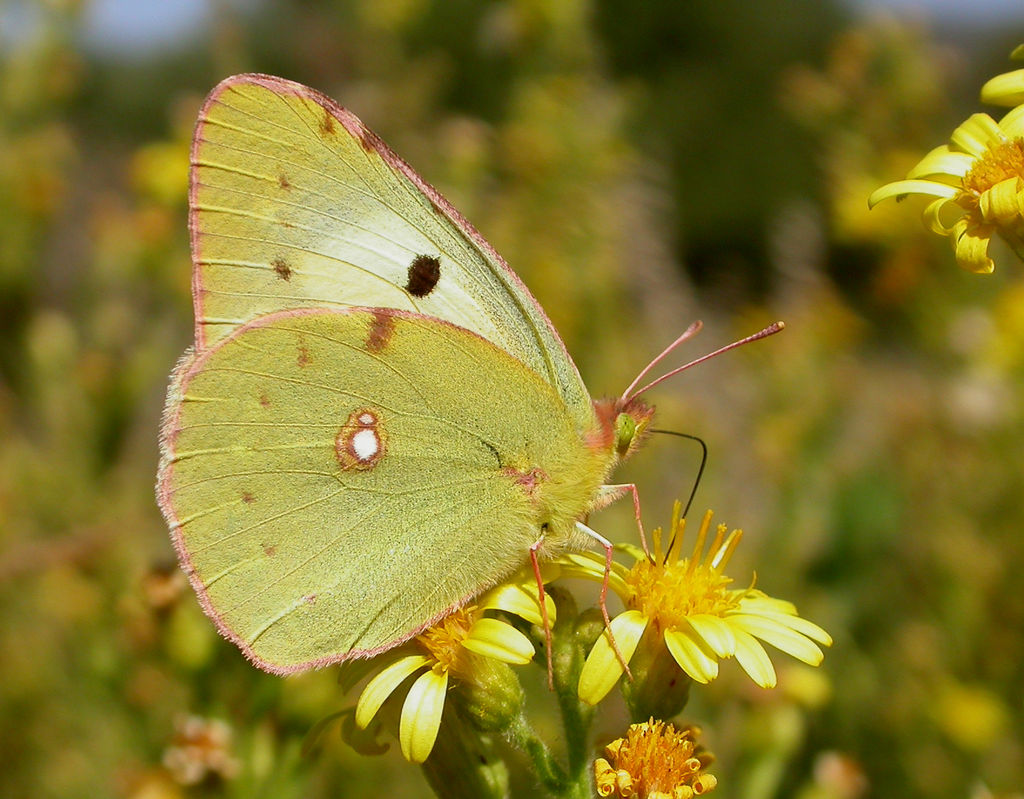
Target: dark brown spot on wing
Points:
(283, 182)
(327, 124)
(424, 272)
(369, 140)
(264, 401)
(269, 550)
(381, 329)
(281, 268)
(304, 358)
(248, 498)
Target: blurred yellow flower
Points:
(977, 179)
(654, 760)
(452, 649)
(687, 603)
(973, 716)
(1006, 89)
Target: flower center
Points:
(443, 641)
(668, 593)
(655, 759)
(997, 164)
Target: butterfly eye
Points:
(625, 432)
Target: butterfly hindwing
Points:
(338, 479)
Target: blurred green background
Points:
(640, 165)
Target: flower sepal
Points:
(492, 698)
(659, 688)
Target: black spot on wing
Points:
(424, 273)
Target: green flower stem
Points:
(576, 715)
(547, 770)
(572, 637)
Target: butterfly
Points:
(377, 420)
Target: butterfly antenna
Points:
(689, 333)
(630, 394)
(696, 480)
(700, 469)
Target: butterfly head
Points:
(624, 423)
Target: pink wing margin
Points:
(370, 141)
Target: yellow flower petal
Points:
(976, 134)
(901, 188)
(716, 633)
(781, 637)
(933, 215)
(1006, 89)
(794, 622)
(1012, 123)
(688, 652)
(635, 552)
(496, 639)
(754, 660)
(942, 161)
(755, 601)
(421, 715)
(999, 203)
(380, 687)
(520, 599)
(602, 668)
(590, 566)
(972, 247)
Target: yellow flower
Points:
(1006, 89)
(654, 760)
(687, 603)
(977, 179)
(452, 648)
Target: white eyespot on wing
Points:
(361, 441)
(365, 444)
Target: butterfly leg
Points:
(607, 545)
(619, 490)
(541, 594)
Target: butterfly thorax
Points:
(563, 485)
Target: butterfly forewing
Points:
(294, 204)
